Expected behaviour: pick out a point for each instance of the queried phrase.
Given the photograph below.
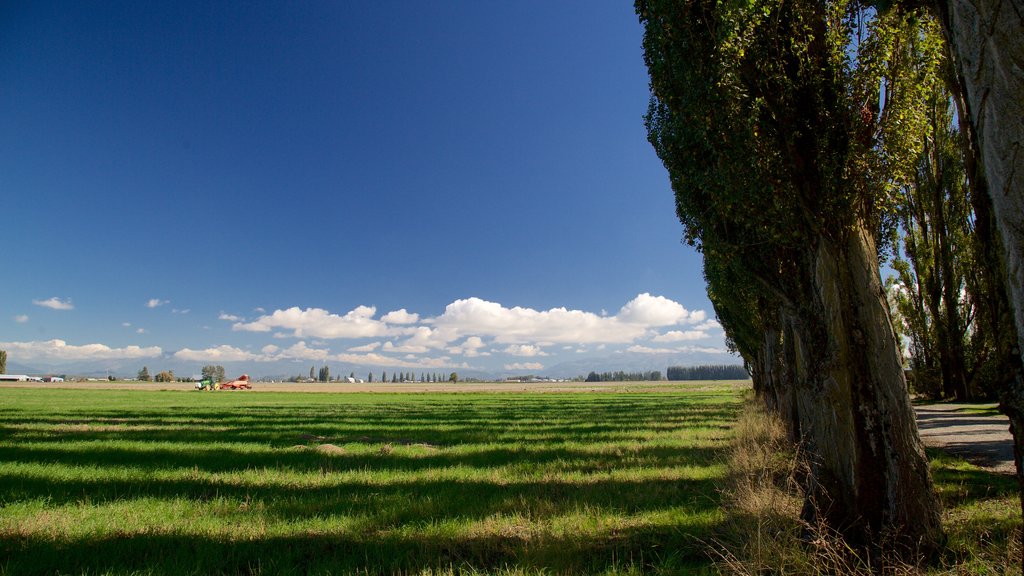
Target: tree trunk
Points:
(986, 40)
(869, 475)
(987, 43)
(776, 389)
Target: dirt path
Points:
(980, 439)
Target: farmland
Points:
(123, 481)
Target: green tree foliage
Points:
(782, 126)
(621, 376)
(454, 377)
(3, 361)
(713, 372)
(213, 372)
(143, 375)
(324, 375)
(165, 376)
(935, 300)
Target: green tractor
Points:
(206, 384)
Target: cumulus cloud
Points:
(525, 350)
(366, 347)
(709, 325)
(55, 303)
(319, 323)
(680, 336)
(21, 318)
(222, 353)
(374, 359)
(524, 366)
(400, 317)
(230, 317)
(654, 311)
(59, 350)
(470, 348)
(404, 348)
(300, 351)
(647, 350)
(156, 303)
(180, 310)
(477, 317)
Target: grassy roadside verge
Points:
(143, 482)
(762, 533)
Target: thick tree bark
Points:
(776, 389)
(986, 39)
(870, 477)
(987, 43)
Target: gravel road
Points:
(979, 439)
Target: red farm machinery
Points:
(240, 383)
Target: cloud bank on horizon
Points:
(469, 333)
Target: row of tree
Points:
(323, 374)
(807, 141)
(215, 373)
(623, 376)
(714, 372)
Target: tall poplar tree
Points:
(767, 115)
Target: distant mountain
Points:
(636, 362)
(611, 362)
(15, 368)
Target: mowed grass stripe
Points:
(134, 482)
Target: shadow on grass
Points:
(959, 484)
(174, 555)
(117, 439)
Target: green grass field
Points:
(147, 482)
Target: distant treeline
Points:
(623, 376)
(721, 372)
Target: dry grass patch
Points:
(764, 533)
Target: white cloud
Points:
(524, 366)
(647, 350)
(21, 318)
(230, 317)
(180, 310)
(476, 317)
(709, 325)
(525, 350)
(680, 336)
(222, 353)
(469, 348)
(140, 330)
(126, 324)
(62, 351)
(400, 317)
(374, 359)
(269, 349)
(653, 311)
(366, 347)
(55, 303)
(319, 323)
(156, 302)
(404, 348)
(300, 351)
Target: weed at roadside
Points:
(763, 533)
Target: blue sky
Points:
(422, 185)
